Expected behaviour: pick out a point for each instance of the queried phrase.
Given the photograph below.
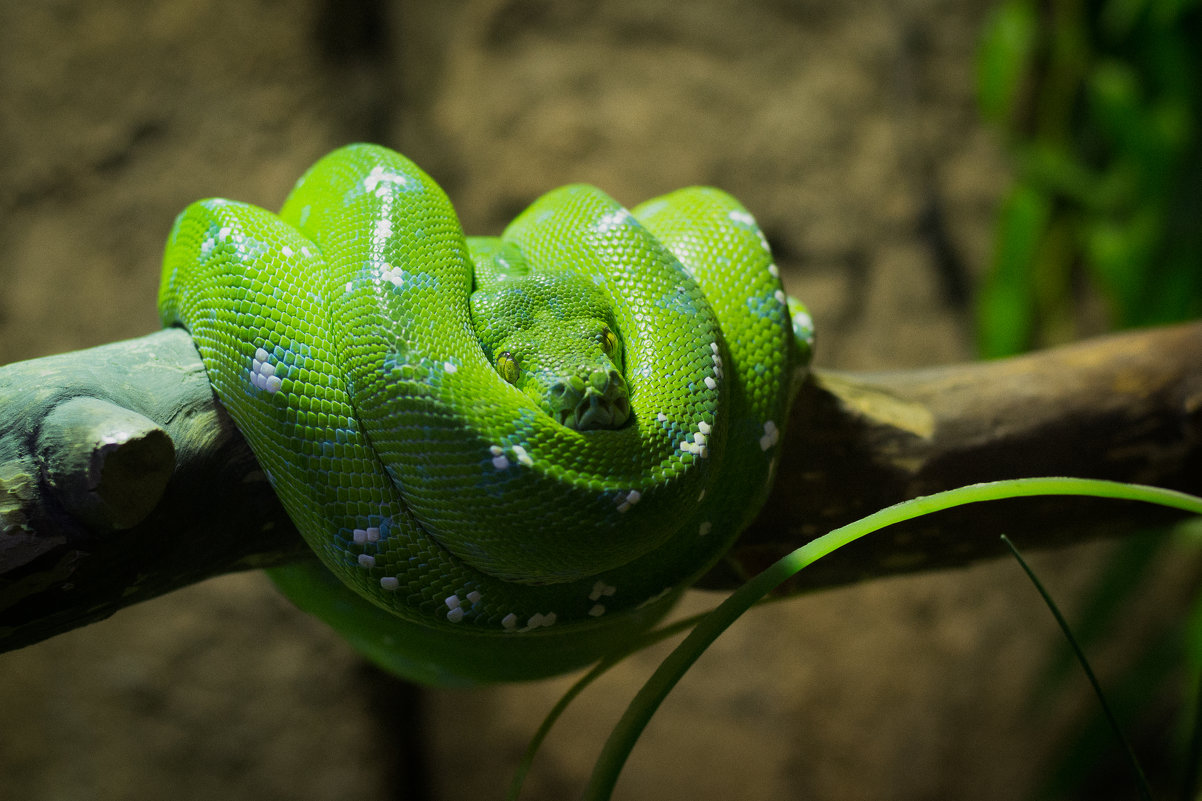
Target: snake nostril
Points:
(558, 389)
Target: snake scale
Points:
(516, 451)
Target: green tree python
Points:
(509, 454)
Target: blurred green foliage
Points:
(1101, 105)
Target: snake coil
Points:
(516, 450)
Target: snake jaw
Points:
(602, 403)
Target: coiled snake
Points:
(521, 447)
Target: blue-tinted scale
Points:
(766, 306)
(680, 302)
(416, 281)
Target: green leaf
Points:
(1006, 305)
(1004, 59)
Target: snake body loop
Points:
(520, 448)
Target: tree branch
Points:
(1126, 407)
(121, 478)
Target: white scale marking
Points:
(454, 610)
(627, 499)
(393, 275)
(262, 373)
(611, 221)
(600, 590)
(771, 436)
(377, 177)
(499, 460)
(741, 217)
(539, 620)
(523, 458)
(361, 536)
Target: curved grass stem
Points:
(627, 731)
(594, 673)
(1141, 781)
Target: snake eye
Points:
(609, 341)
(507, 366)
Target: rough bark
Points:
(1126, 407)
(121, 478)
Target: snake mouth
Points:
(595, 411)
(603, 403)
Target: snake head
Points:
(552, 336)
